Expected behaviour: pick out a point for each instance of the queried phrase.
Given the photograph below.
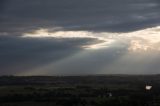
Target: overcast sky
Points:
(79, 37)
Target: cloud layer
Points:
(62, 37)
(93, 15)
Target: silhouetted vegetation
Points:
(111, 90)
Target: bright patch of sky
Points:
(138, 41)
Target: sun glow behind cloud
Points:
(145, 40)
(43, 33)
(138, 41)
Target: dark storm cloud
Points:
(93, 15)
(20, 54)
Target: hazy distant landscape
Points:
(100, 90)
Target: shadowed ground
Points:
(109, 90)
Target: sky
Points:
(79, 37)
